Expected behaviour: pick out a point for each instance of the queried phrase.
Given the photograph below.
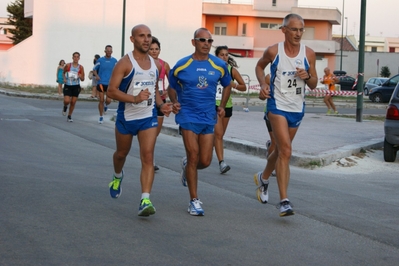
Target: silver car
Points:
(373, 82)
(391, 127)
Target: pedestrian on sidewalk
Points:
(329, 80)
(237, 83)
(102, 71)
(193, 83)
(292, 67)
(155, 50)
(133, 83)
(60, 76)
(73, 74)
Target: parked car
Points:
(391, 127)
(346, 83)
(382, 94)
(372, 83)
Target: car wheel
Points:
(377, 98)
(366, 91)
(389, 152)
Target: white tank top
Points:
(287, 90)
(140, 80)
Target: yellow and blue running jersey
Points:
(195, 83)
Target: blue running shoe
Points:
(285, 208)
(101, 120)
(105, 108)
(115, 188)
(183, 164)
(195, 208)
(146, 208)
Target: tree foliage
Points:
(16, 18)
(385, 72)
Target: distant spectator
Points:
(60, 76)
(94, 92)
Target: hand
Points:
(176, 107)
(264, 92)
(166, 109)
(221, 112)
(143, 95)
(302, 73)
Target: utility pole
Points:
(360, 77)
(123, 28)
(342, 31)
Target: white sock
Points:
(145, 195)
(118, 175)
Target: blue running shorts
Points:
(293, 119)
(198, 128)
(133, 127)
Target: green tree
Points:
(16, 18)
(385, 72)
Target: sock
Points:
(118, 175)
(286, 199)
(220, 162)
(145, 195)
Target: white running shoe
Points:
(194, 208)
(261, 192)
(223, 167)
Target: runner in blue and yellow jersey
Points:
(192, 91)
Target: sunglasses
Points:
(204, 40)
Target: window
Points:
(271, 26)
(391, 49)
(244, 29)
(374, 49)
(274, 2)
(220, 29)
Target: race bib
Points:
(140, 86)
(290, 84)
(219, 91)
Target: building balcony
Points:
(318, 46)
(235, 42)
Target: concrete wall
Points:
(63, 27)
(350, 62)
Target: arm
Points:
(121, 69)
(240, 85)
(95, 68)
(82, 73)
(267, 58)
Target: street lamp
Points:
(346, 22)
(342, 32)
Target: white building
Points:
(86, 26)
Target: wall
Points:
(350, 63)
(63, 27)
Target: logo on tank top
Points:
(298, 63)
(202, 82)
(152, 74)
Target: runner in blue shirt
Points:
(102, 71)
(192, 91)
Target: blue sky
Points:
(380, 17)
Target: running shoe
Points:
(223, 167)
(285, 208)
(328, 112)
(261, 192)
(64, 110)
(156, 167)
(268, 143)
(105, 108)
(336, 112)
(69, 119)
(194, 208)
(183, 164)
(146, 208)
(115, 188)
(101, 120)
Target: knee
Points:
(285, 152)
(120, 155)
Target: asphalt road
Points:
(56, 209)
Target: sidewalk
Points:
(320, 140)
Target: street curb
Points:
(297, 159)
